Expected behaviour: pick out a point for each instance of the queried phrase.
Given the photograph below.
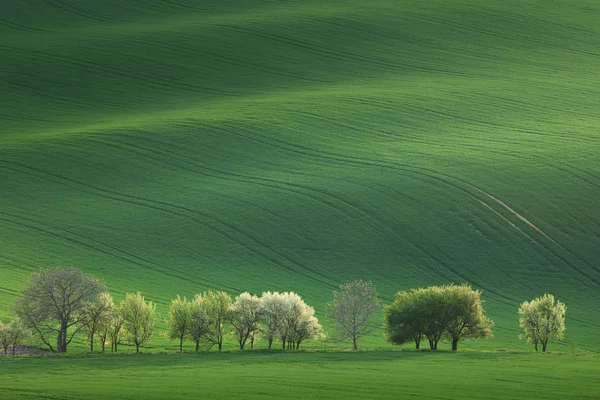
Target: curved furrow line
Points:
(20, 27)
(427, 172)
(386, 228)
(49, 95)
(455, 117)
(15, 265)
(24, 118)
(244, 179)
(69, 9)
(339, 55)
(138, 201)
(97, 246)
(10, 291)
(121, 72)
(416, 201)
(224, 59)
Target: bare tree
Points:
(96, 316)
(352, 309)
(52, 302)
(138, 319)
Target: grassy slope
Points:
(300, 376)
(172, 147)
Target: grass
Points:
(255, 145)
(362, 375)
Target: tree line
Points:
(57, 304)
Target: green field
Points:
(379, 375)
(178, 146)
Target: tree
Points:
(433, 308)
(199, 323)
(403, 319)
(97, 317)
(542, 320)
(138, 319)
(217, 306)
(466, 318)
(13, 335)
(352, 309)
(272, 309)
(115, 329)
(244, 317)
(297, 322)
(52, 302)
(179, 320)
(309, 328)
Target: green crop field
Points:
(177, 146)
(377, 375)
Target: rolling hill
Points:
(177, 146)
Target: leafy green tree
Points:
(403, 319)
(434, 313)
(466, 317)
(244, 317)
(542, 320)
(179, 320)
(115, 329)
(96, 316)
(138, 319)
(13, 335)
(218, 307)
(199, 323)
(52, 303)
(352, 309)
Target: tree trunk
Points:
(454, 344)
(137, 348)
(197, 345)
(270, 343)
(544, 347)
(355, 347)
(92, 343)
(181, 344)
(536, 349)
(13, 350)
(220, 345)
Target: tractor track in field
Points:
(97, 246)
(429, 173)
(375, 223)
(184, 212)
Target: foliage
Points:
(138, 319)
(178, 321)
(452, 311)
(352, 309)
(13, 334)
(96, 316)
(244, 317)
(217, 306)
(542, 320)
(273, 307)
(199, 325)
(53, 301)
(298, 322)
